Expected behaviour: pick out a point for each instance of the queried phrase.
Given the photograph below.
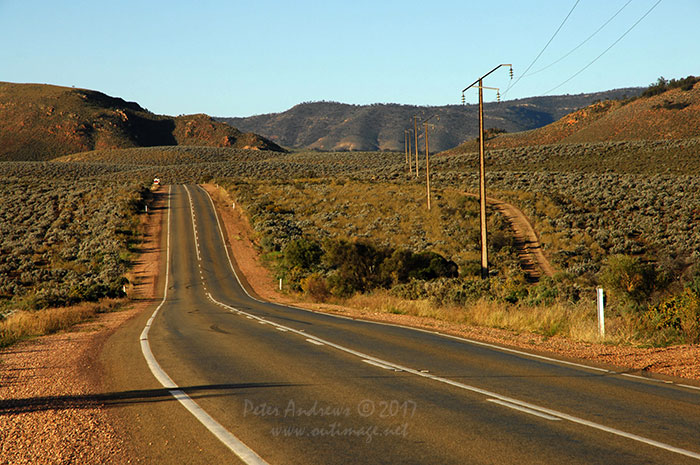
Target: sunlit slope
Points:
(41, 122)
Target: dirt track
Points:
(532, 259)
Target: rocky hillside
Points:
(337, 126)
(41, 122)
(665, 114)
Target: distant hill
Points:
(41, 122)
(666, 114)
(337, 126)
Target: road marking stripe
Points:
(474, 389)
(194, 226)
(245, 453)
(689, 386)
(627, 375)
(524, 409)
(380, 365)
(457, 384)
(314, 342)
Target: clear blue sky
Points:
(239, 58)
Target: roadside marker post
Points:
(600, 294)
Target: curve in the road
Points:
(245, 453)
(513, 382)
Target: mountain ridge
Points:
(334, 126)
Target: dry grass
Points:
(576, 322)
(25, 324)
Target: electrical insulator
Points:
(511, 72)
(463, 98)
(498, 96)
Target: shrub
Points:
(356, 263)
(315, 287)
(629, 277)
(680, 313)
(545, 292)
(302, 253)
(404, 265)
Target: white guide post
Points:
(601, 311)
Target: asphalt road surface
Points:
(216, 376)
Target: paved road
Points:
(289, 386)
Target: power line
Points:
(606, 50)
(545, 48)
(582, 43)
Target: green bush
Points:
(404, 265)
(680, 313)
(302, 253)
(358, 264)
(629, 278)
(662, 85)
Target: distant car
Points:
(156, 180)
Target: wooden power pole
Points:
(415, 132)
(482, 174)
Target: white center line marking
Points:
(194, 226)
(245, 453)
(380, 365)
(524, 409)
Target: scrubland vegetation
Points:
(629, 228)
(352, 228)
(63, 241)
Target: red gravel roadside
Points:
(51, 401)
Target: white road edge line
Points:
(524, 410)
(314, 342)
(245, 453)
(510, 400)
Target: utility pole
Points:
(427, 164)
(405, 144)
(482, 174)
(408, 153)
(415, 132)
(427, 156)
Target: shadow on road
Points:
(114, 399)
